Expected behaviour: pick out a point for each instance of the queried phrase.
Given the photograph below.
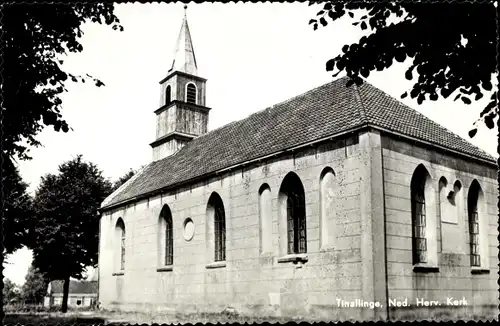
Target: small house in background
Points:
(81, 294)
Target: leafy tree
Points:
(118, 183)
(35, 286)
(452, 47)
(67, 221)
(10, 291)
(17, 207)
(35, 37)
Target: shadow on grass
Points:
(37, 319)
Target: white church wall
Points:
(455, 277)
(254, 281)
(250, 279)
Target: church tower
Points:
(182, 114)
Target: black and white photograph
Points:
(183, 162)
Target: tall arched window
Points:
(265, 216)
(424, 225)
(292, 191)
(418, 217)
(326, 207)
(168, 95)
(477, 226)
(191, 93)
(216, 207)
(120, 232)
(167, 233)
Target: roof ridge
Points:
(307, 92)
(362, 111)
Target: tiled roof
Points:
(324, 111)
(74, 286)
(385, 111)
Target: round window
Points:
(188, 229)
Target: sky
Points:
(254, 55)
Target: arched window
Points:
(451, 212)
(216, 207)
(443, 184)
(424, 242)
(120, 232)
(454, 196)
(191, 93)
(326, 207)
(444, 204)
(292, 191)
(168, 95)
(450, 201)
(477, 226)
(265, 216)
(167, 233)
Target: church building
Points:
(340, 203)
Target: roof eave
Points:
(357, 128)
(232, 167)
(424, 142)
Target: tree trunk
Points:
(64, 306)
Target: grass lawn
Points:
(101, 317)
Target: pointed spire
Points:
(184, 58)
